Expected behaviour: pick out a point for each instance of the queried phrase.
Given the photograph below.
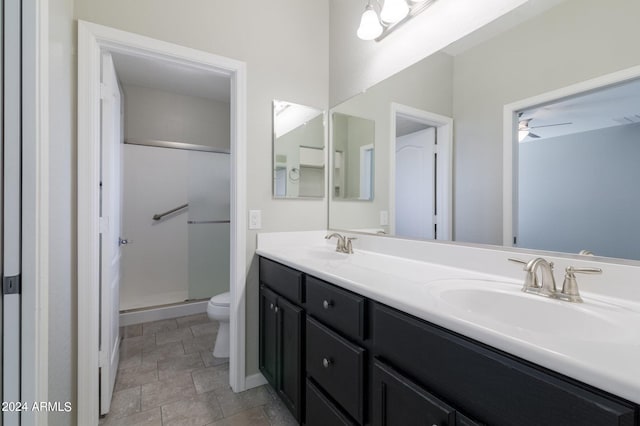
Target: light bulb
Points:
(522, 134)
(370, 26)
(394, 11)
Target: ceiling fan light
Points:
(522, 134)
(370, 27)
(394, 11)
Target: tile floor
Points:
(167, 376)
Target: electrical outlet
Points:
(255, 219)
(384, 218)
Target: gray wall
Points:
(576, 41)
(162, 115)
(580, 191)
(284, 61)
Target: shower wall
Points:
(162, 115)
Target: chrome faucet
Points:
(546, 286)
(344, 243)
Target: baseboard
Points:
(254, 381)
(162, 312)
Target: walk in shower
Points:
(176, 222)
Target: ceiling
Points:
(172, 77)
(406, 125)
(613, 106)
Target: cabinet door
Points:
(268, 335)
(399, 401)
(290, 326)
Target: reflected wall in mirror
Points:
(538, 48)
(298, 151)
(353, 157)
(576, 158)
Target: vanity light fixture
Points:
(393, 13)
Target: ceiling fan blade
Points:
(550, 125)
(533, 136)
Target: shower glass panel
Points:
(208, 224)
(176, 218)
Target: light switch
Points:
(255, 219)
(384, 218)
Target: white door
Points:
(415, 184)
(10, 220)
(111, 141)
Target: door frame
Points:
(444, 137)
(93, 39)
(510, 132)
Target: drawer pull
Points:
(327, 304)
(326, 362)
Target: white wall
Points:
(575, 192)
(161, 115)
(285, 44)
(62, 209)
(554, 50)
(357, 65)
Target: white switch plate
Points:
(255, 219)
(384, 218)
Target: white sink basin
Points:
(318, 253)
(504, 307)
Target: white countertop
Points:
(611, 363)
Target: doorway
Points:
(420, 174)
(95, 41)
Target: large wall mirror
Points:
(539, 48)
(298, 151)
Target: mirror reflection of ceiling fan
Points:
(524, 127)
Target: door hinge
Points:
(102, 225)
(102, 358)
(11, 285)
(104, 91)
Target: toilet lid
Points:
(223, 299)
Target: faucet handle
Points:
(348, 247)
(531, 279)
(570, 290)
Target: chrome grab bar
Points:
(197, 222)
(168, 212)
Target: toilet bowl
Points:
(218, 310)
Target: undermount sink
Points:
(503, 306)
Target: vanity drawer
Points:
(282, 279)
(336, 307)
(492, 387)
(399, 401)
(321, 411)
(337, 366)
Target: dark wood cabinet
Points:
(280, 349)
(399, 401)
(337, 365)
(268, 335)
(321, 411)
(353, 361)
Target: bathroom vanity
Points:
(343, 357)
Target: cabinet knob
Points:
(327, 304)
(326, 362)
(276, 309)
(271, 306)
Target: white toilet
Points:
(218, 309)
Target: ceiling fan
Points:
(524, 127)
